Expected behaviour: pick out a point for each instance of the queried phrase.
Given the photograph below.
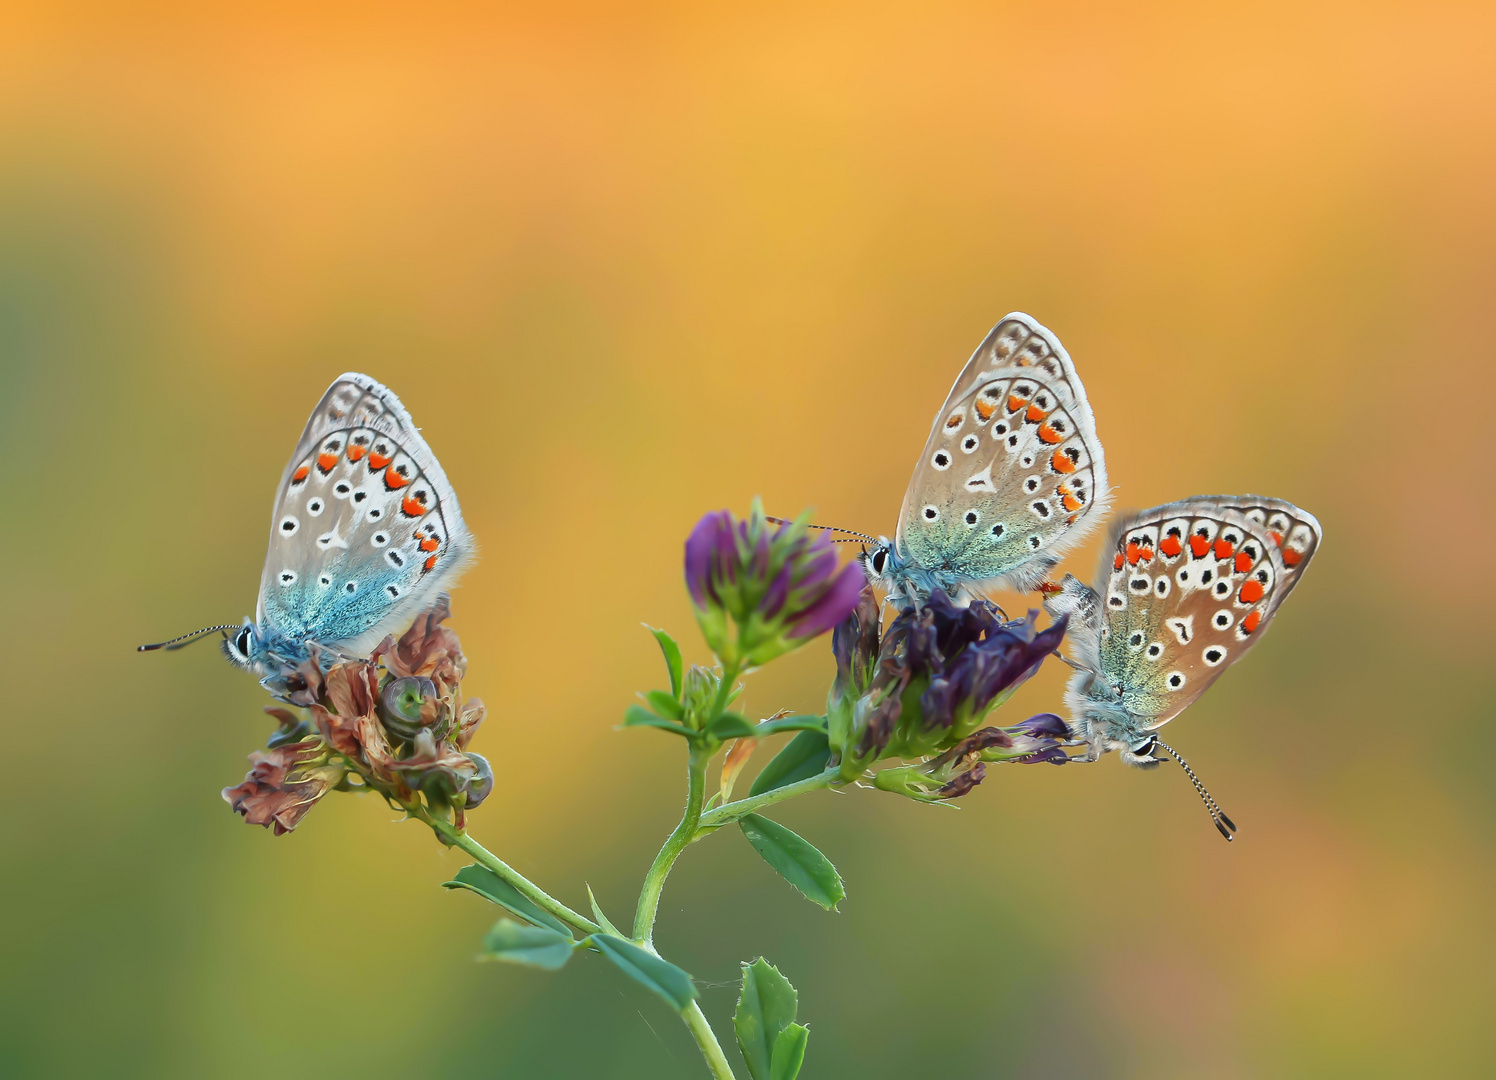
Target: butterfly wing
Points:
(1012, 473)
(366, 529)
(1188, 588)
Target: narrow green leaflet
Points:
(790, 723)
(639, 716)
(664, 705)
(798, 862)
(731, 725)
(766, 1009)
(487, 884)
(533, 946)
(789, 1052)
(661, 976)
(803, 756)
(672, 658)
(597, 913)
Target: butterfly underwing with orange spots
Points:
(1011, 476)
(366, 532)
(1184, 591)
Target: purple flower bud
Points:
(762, 589)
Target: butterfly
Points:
(365, 533)
(1183, 592)
(1011, 476)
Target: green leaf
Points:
(790, 723)
(789, 1052)
(639, 716)
(533, 946)
(766, 1008)
(803, 756)
(798, 862)
(731, 725)
(665, 705)
(487, 884)
(661, 976)
(672, 658)
(597, 913)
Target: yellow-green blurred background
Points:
(627, 263)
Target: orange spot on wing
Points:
(411, 506)
(1243, 563)
(1277, 538)
(430, 563)
(431, 543)
(1049, 434)
(1035, 414)
(1250, 622)
(355, 452)
(1015, 402)
(1071, 502)
(301, 474)
(1199, 545)
(1060, 463)
(1250, 593)
(1170, 546)
(1292, 556)
(393, 480)
(325, 462)
(985, 408)
(1117, 562)
(1145, 554)
(1134, 553)
(1224, 548)
(377, 461)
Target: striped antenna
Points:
(861, 537)
(185, 640)
(1217, 815)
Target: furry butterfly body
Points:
(366, 532)
(1184, 591)
(1011, 475)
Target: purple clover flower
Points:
(776, 586)
(925, 685)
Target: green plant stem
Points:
(542, 899)
(685, 832)
(706, 1040)
(730, 812)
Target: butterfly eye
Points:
(241, 642)
(879, 560)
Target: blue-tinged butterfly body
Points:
(366, 533)
(1012, 475)
(1184, 591)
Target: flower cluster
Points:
(395, 723)
(776, 585)
(924, 686)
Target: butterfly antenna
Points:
(830, 528)
(185, 640)
(1217, 815)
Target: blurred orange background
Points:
(626, 264)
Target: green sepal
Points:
(639, 716)
(665, 705)
(533, 946)
(790, 723)
(661, 976)
(731, 725)
(766, 1009)
(672, 658)
(796, 860)
(597, 913)
(487, 884)
(789, 1052)
(801, 758)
